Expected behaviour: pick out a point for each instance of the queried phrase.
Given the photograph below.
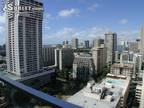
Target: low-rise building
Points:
(112, 92)
(123, 69)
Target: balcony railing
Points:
(16, 94)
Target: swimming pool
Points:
(114, 82)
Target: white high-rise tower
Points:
(24, 37)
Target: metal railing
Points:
(43, 97)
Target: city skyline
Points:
(64, 20)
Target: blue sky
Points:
(88, 19)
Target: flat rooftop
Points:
(107, 94)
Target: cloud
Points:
(68, 12)
(2, 18)
(2, 28)
(128, 35)
(68, 33)
(2, 35)
(93, 7)
(123, 21)
(88, 34)
(63, 34)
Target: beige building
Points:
(123, 69)
(142, 42)
(74, 43)
(111, 45)
(134, 47)
(99, 58)
(98, 42)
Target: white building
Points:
(99, 58)
(112, 92)
(24, 39)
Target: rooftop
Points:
(107, 94)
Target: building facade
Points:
(48, 55)
(133, 47)
(63, 57)
(99, 57)
(123, 69)
(24, 38)
(83, 67)
(74, 43)
(98, 42)
(87, 44)
(142, 42)
(111, 45)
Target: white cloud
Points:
(129, 35)
(93, 7)
(47, 27)
(123, 21)
(2, 35)
(2, 18)
(88, 34)
(2, 28)
(63, 34)
(68, 12)
(68, 33)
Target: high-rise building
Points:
(24, 38)
(111, 45)
(99, 58)
(48, 55)
(65, 42)
(142, 42)
(74, 43)
(87, 44)
(98, 42)
(63, 57)
(133, 47)
(139, 43)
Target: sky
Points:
(88, 19)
